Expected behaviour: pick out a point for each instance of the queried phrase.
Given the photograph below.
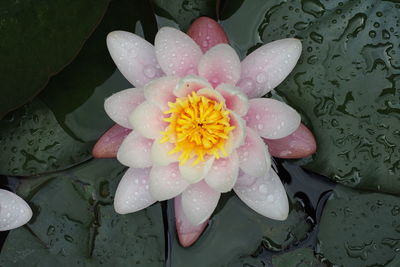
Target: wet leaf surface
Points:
(184, 12)
(59, 128)
(346, 85)
(302, 257)
(53, 32)
(75, 223)
(32, 141)
(360, 228)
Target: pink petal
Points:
(207, 33)
(219, 65)
(211, 94)
(134, 57)
(190, 84)
(268, 66)
(265, 195)
(299, 144)
(120, 105)
(133, 191)
(271, 118)
(147, 119)
(237, 136)
(160, 91)
(108, 144)
(176, 52)
(187, 232)
(198, 202)
(135, 151)
(235, 100)
(223, 173)
(166, 182)
(254, 158)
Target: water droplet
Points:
(261, 77)
(316, 37)
(263, 188)
(149, 71)
(313, 7)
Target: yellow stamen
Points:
(198, 126)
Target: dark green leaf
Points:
(360, 229)
(75, 224)
(184, 12)
(32, 141)
(302, 257)
(55, 135)
(346, 84)
(38, 38)
(236, 231)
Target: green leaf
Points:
(184, 12)
(360, 229)
(32, 141)
(60, 132)
(346, 85)
(302, 257)
(38, 38)
(75, 224)
(237, 231)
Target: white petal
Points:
(160, 155)
(254, 158)
(271, 118)
(190, 84)
(268, 66)
(219, 65)
(235, 99)
(120, 105)
(160, 91)
(199, 201)
(176, 52)
(223, 174)
(14, 211)
(266, 195)
(135, 151)
(133, 191)
(134, 57)
(193, 174)
(147, 119)
(166, 182)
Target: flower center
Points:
(198, 126)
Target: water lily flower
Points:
(14, 211)
(195, 125)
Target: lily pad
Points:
(184, 12)
(60, 132)
(75, 223)
(32, 141)
(236, 232)
(346, 85)
(302, 257)
(37, 40)
(360, 229)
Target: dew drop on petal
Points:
(263, 188)
(261, 77)
(149, 71)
